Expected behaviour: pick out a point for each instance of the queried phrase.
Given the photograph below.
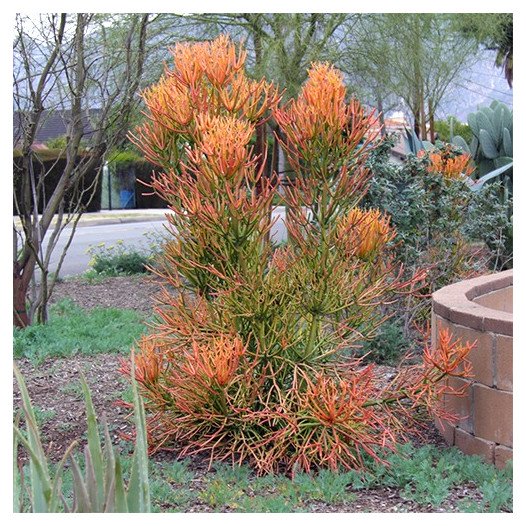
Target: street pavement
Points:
(133, 229)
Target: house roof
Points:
(53, 124)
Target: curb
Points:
(119, 220)
(111, 221)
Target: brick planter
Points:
(481, 309)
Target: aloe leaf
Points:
(94, 444)
(17, 491)
(138, 489)
(109, 504)
(38, 468)
(80, 492)
(40, 485)
(91, 482)
(121, 503)
(56, 494)
(491, 175)
(109, 459)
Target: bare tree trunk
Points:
(416, 117)
(423, 123)
(21, 280)
(77, 77)
(381, 117)
(431, 123)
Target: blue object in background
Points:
(127, 198)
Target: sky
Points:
(475, 87)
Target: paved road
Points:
(132, 234)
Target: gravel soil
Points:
(54, 389)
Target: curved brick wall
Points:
(481, 309)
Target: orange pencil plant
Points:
(450, 165)
(252, 356)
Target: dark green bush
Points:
(388, 346)
(432, 216)
(119, 260)
(492, 223)
(443, 128)
(130, 263)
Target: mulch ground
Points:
(54, 388)
(124, 292)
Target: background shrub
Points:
(434, 218)
(120, 260)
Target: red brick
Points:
(493, 414)
(490, 282)
(466, 313)
(472, 445)
(460, 406)
(446, 429)
(501, 299)
(501, 323)
(502, 455)
(440, 308)
(481, 356)
(504, 362)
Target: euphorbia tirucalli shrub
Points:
(252, 357)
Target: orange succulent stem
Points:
(243, 363)
(402, 395)
(385, 401)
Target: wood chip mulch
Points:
(54, 388)
(123, 292)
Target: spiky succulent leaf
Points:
(38, 466)
(138, 488)
(489, 176)
(94, 444)
(17, 491)
(81, 500)
(109, 470)
(121, 503)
